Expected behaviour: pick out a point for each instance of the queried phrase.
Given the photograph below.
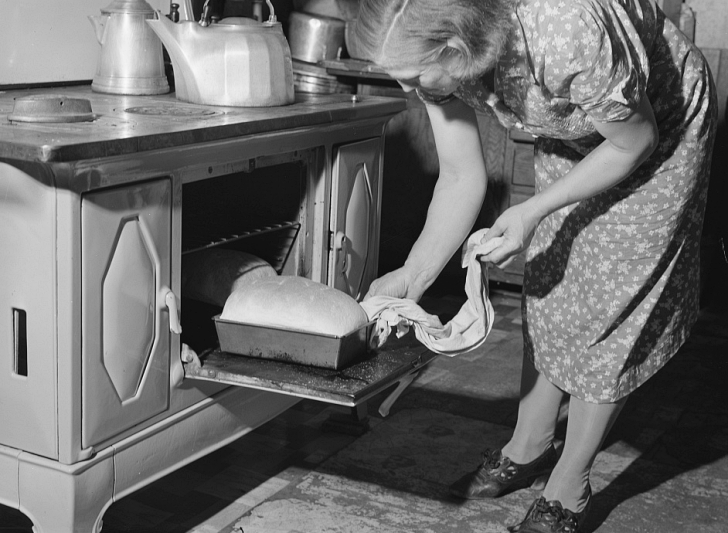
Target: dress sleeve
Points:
(597, 59)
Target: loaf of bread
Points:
(211, 275)
(294, 303)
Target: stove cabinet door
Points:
(355, 213)
(126, 253)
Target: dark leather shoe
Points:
(551, 517)
(498, 475)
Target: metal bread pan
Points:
(312, 349)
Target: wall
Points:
(48, 43)
(51, 42)
(711, 26)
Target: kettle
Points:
(131, 59)
(237, 61)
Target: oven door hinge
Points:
(187, 357)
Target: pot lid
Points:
(128, 6)
(51, 108)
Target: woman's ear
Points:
(458, 44)
(454, 56)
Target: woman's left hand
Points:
(516, 225)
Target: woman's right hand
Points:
(398, 284)
(516, 226)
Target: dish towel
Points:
(469, 327)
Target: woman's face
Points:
(432, 78)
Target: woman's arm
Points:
(456, 202)
(628, 143)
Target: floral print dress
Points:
(611, 283)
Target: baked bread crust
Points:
(294, 303)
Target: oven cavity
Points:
(240, 224)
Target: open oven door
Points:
(399, 361)
(355, 215)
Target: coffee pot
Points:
(131, 59)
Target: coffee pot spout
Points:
(99, 24)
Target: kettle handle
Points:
(185, 11)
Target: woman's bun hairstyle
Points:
(401, 33)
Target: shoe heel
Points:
(540, 482)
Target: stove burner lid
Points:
(170, 111)
(128, 6)
(51, 108)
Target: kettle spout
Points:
(99, 24)
(179, 41)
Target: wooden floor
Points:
(664, 468)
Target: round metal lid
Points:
(128, 6)
(51, 108)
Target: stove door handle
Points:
(170, 301)
(341, 243)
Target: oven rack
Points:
(271, 242)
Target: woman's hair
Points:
(402, 33)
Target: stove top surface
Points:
(130, 124)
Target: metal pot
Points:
(338, 9)
(131, 60)
(314, 38)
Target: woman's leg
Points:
(586, 430)
(529, 453)
(538, 412)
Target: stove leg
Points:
(65, 499)
(355, 422)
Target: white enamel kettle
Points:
(131, 59)
(234, 62)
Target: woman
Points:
(623, 110)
